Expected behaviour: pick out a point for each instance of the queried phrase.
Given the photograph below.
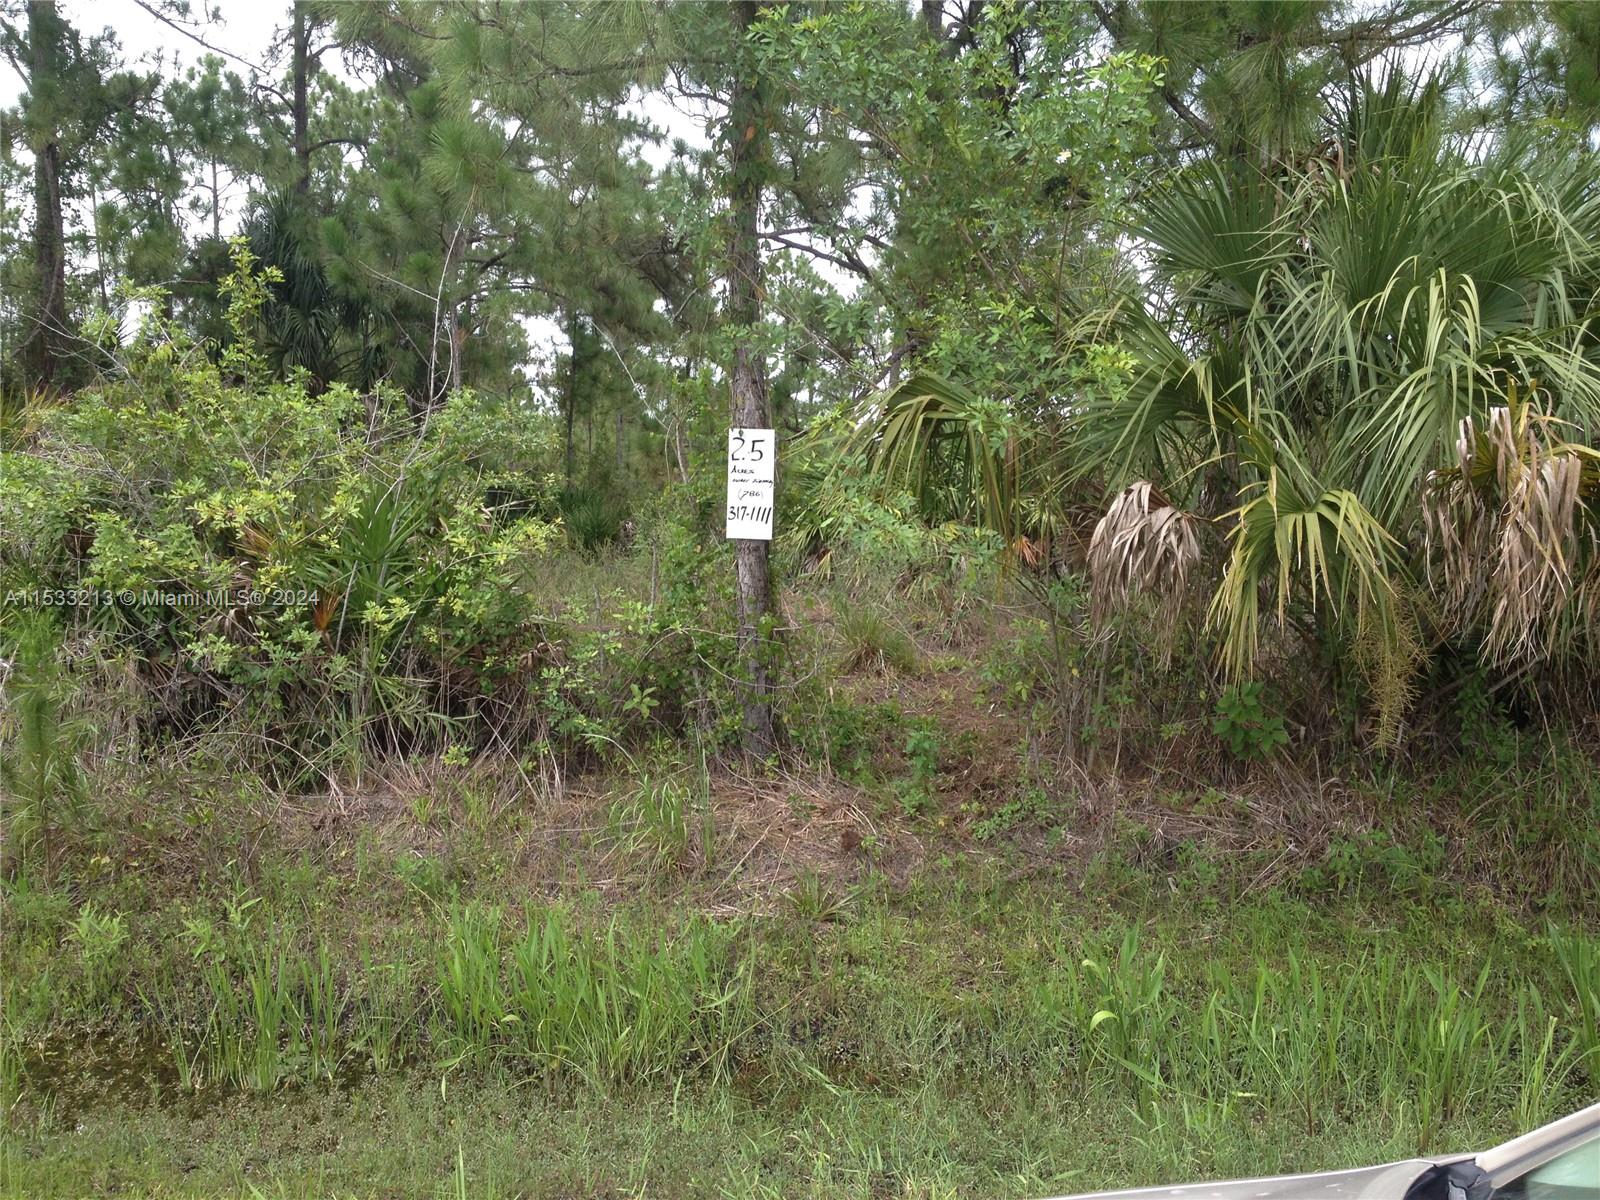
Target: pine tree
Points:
(747, 140)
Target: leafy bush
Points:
(1244, 724)
(332, 567)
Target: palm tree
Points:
(1373, 373)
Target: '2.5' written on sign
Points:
(752, 472)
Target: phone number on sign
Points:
(156, 598)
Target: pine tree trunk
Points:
(99, 246)
(572, 383)
(45, 342)
(751, 403)
(301, 112)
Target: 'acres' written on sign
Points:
(752, 472)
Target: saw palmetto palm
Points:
(1308, 346)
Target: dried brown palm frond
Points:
(1142, 544)
(1507, 531)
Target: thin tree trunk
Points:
(751, 402)
(572, 383)
(99, 244)
(50, 265)
(45, 341)
(677, 436)
(301, 112)
(458, 343)
(216, 205)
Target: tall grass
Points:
(1188, 1042)
(612, 1005)
(274, 1012)
(871, 641)
(666, 817)
(41, 788)
(1301, 1039)
(1579, 957)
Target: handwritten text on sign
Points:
(752, 470)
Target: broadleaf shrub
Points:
(336, 570)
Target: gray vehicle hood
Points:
(1457, 1175)
(1389, 1182)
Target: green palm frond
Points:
(1225, 226)
(957, 453)
(1325, 548)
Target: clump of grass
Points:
(275, 1010)
(1579, 959)
(872, 642)
(609, 1006)
(592, 517)
(667, 817)
(813, 900)
(100, 937)
(1544, 1067)
(386, 1015)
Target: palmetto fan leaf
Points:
(1394, 292)
(948, 447)
(1223, 224)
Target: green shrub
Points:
(328, 565)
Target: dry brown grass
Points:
(767, 833)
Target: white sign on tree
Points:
(752, 471)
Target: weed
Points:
(1543, 1068)
(426, 875)
(666, 816)
(1245, 726)
(1372, 861)
(813, 900)
(100, 937)
(872, 642)
(40, 783)
(1579, 959)
(1033, 804)
(922, 749)
(847, 736)
(422, 804)
(593, 518)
